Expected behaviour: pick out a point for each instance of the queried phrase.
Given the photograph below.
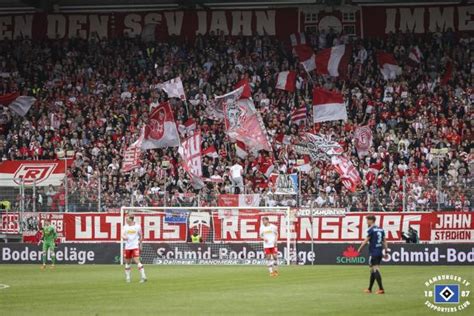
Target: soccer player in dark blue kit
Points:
(377, 244)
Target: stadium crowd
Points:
(93, 96)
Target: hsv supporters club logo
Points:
(447, 293)
(29, 174)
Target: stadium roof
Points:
(24, 6)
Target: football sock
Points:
(270, 265)
(372, 280)
(44, 258)
(53, 258)
(275, 264)
(142, 270)
(127, 271)
(378, 277)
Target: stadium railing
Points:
(96, 195)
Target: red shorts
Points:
(271, 251)
(131, 253)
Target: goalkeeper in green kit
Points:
(49, 242)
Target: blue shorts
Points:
(375, 260)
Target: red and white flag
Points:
(173, 88)
(241, 150)
(17, 103)
(303, 165)
(249, 200)
(243, 123)
(388, 65)
(349, 175)
(160, 131)
(298, 115)
(33, 172)
(247, 91)
(283, 139)
(286, 80)
(190, 151)
(333, 61)
(362, 140)
(131, 155)
(306, 56)
(215, 109)
(297, 39)
(415, 54)
(188, 127)
(210, 152)
(328, 106)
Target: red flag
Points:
(448, 73)
(190, 151)
(349, 176)
(160, 130)
(286, 80)
(247, 92)
(8, 98)
(210, 152)
(298, 115)
(388, 65)
(241, 150)
(415, 54)
(19, 104)
(363, 140)
(306, 56)
(131, 155)
(243, 122)
(334, 61)
(328, 106)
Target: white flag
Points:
(173, 88)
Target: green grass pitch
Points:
(216, 290)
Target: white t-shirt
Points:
(236, 171)
(133, 233)
(269, 234)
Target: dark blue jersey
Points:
(376, 237)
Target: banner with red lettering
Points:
(32, 172)
(242, 200)
(232, 226)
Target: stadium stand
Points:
(94, 95)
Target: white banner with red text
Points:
(243, 226)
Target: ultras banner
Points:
(153, 25)
(234, 226)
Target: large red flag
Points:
(243, 122)
(306, 56)
(190, 151)
(247, 91)
(349, 176)
(328, 106)
(131, 155)
(160, 130)
(286, 80)
(388, 65)
(363, 140)
(334, 61)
